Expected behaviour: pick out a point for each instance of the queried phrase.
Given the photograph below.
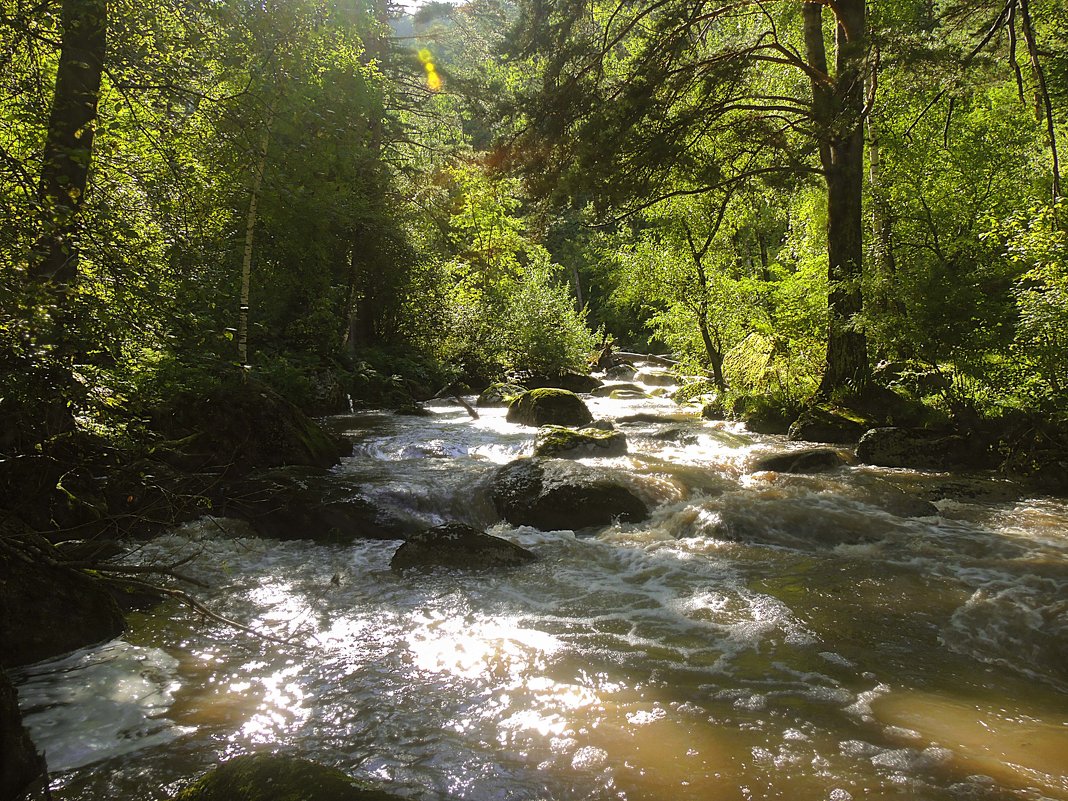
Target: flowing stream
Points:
(862, 633)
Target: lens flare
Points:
(433, 80)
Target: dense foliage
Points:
(347, 198)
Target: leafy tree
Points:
(640, 101)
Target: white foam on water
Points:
(99, 702)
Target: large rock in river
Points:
(820, 424)
(542, 407)
(553, 494)
(811, 460)
(455, 545)
(571, 443)
(274, 777)
(922, 450)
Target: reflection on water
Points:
(863, 633)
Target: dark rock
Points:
(922, 450)
(306, 504)
(455, 545)
(48, 610)
(21, 765)
(555, 494)
(243, 426)
(609, 390)
(569, 380)
(820, 424)
(813, 460)
(540, 407)
(498, 395)
(602, 425)
(274, 777)
(576, 444)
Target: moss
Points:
(499, 395)
(273, 777)
(549, 406)
(693, 391)
(569, 442)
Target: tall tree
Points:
(68, 150)
(637, 101)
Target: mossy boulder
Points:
(273, 777)
(47, 610)
(826, 424)
(458, 546)
(923, 450)
(553, 494)
(573, 443)
(240, 426)
(499, 394)
(548, 406)
(811, 460)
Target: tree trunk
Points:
(250, 234)
(838, 107)
(68, 147)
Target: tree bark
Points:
(838, 108)
(68, 147)
(250, 239)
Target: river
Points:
(762, 635)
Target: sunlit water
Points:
(761, 636)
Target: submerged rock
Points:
(274, 777)
(813, 460)
(540, 407)
(573, 443)
(556, 494)
(455, 545)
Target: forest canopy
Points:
(350, 198)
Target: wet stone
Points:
(458, 546)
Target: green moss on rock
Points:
(575, 444)
(273, 777)
(540, 407)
